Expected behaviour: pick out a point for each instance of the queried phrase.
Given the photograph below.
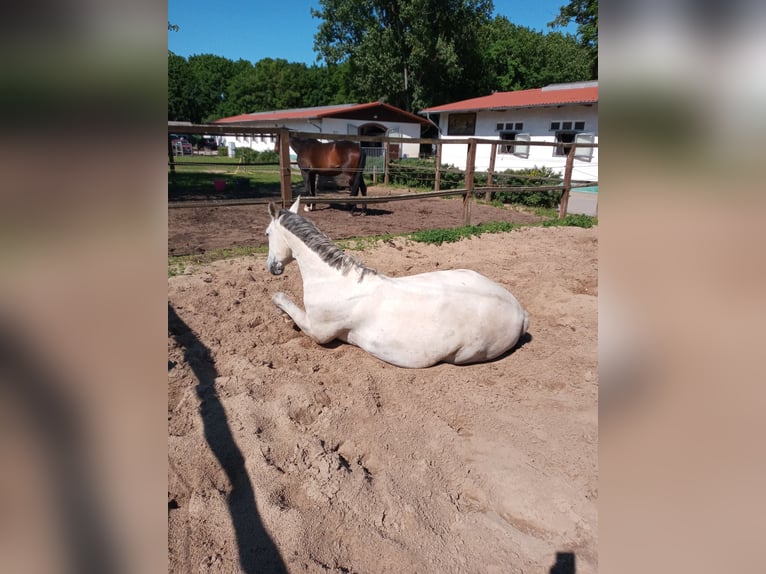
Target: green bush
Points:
(421, 173)
(223, 151)
(439, 236)
(245, 154)
(248, 155)
(268, 157)
(543, 198)
(572, 220)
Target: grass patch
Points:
(177, 265)
(178, 160)
(362, 243)
(201, 177)
(439, 236)
(572, 220)
(547, 212)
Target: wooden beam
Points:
(386, 161)
(171, 159)
(284, 168)
(567, 183)
(438, 179)
(470, 169)
(490, 172)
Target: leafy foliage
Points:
(536, 176)
(252, 156)
(207, 87)
(572, 220)
(585, 14)
(439, 236)
(182, 97)
(421, 174)
(410, 53)
(423, 50)
(519, 58)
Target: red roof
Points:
(320, 112)
(523, 99)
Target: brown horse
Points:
(333, 158)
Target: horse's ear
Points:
(295, 206)
(273, 210)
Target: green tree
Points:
(585, 14)
(411, 53)
(519, 58)
(182, 96)
(212, 75)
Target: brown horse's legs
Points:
(309, 185)
(363, 188)
(358, 185)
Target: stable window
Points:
(568, 125)
(509, 127)
(584, 153)
(517, 149)
(563, 138)
(566, 132)
(461, 124)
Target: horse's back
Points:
(457, 316)
(314, 154)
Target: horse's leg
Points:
(353, 190)
(357, 181)
(320, 334)
(361, 184)
(308, 186)
(363, 187)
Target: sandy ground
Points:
(287, 456)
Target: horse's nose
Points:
(275, 267)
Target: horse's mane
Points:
(322, 245)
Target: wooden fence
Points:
(468, 191)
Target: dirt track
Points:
(289, 456)
(197, 230)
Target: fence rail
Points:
(378, 164)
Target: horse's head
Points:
(280, 253)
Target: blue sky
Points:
(254, 29)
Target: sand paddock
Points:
(287, 456)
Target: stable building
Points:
(559, 113)
(371, 119)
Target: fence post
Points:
(438, 180)
(171, 159)
(470, 168)
(386, 152)
(490, 173)
(567, 183)
(284, 168)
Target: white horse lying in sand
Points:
(456, 316)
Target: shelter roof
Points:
(369, 111)
(553, 95)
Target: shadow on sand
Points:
(257, 552)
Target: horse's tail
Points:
(525, 325)
(359, 175)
